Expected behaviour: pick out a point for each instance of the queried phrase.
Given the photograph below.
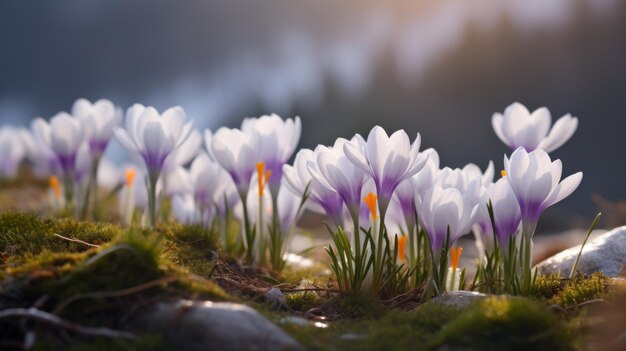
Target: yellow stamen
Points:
(455, 255)
(56, 186)
(503, 173)
(370, 201)
(263, 176)
(130, 177)
(401, 247)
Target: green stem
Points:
(152, 201)
(247, 229)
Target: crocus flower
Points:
(320, 198)
(82, 172)
(403, 200)
(389, 160)
(536, 182)
(238, 153)
(205, 175)
(184, 154)
(13, 151)
(176, 182)
(133, 193)
(57, 201)
(153, 137)
(61, 139)
(186, 211)
(506, 212)
(279, 139)
(440, 209)
(453, 279)
(520, 128)
(37, 142)
(99, 120)
(336, 172)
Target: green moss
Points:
(130, 261)
(26, 235)
(502, 322)
(397, 330)
(304, 300)
(191, 247)
(554, 289)
(581, 289)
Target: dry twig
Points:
(50, 318)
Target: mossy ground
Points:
(93, 273)
(82, 271)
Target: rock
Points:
(187, 325)
(295, 321)
(352, 336)
(276, 298)
(606, 253)
(459, 298)
(546, 246)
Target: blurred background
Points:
(438, 67)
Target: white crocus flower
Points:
(64, 136)
(238, 153)
(389, 160)
(13, 151)
(279, 139)
(99, 120)
(403, 200)
(153, 137)
(204, 174)
(37, 142)
(536, 182)
(517, 127)
(133, 194)
(336, 172)
(320, 198)
(440, 209)
(186, 211)
(506, 212)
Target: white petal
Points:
(561, 132)
(564, 189)
(356, 156)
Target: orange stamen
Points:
(401, 247)
(56, 186)
(130, 177)
(263, 176)
(455, 255)
(370, 201)
(503, 173)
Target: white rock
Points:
(606, 253)
(459, 298)
(187, 325)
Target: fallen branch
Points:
(76, 241)
(50, 318)
(117, 293)
(590, 302)
(335, 291)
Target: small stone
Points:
(294, 320)
(352, 336)
(195, 326)
(276, 298)
(606, 254)
(459, 298)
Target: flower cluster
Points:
(394, 214)
(67, 149)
